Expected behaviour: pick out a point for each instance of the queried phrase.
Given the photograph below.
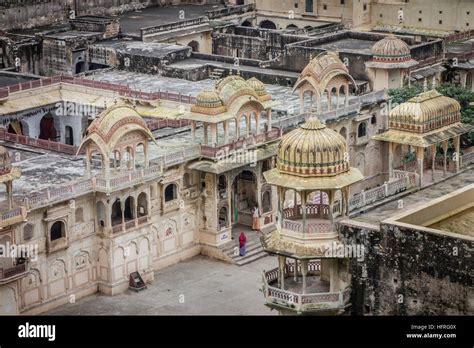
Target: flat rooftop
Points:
(349, 44)
(41, 169)
(450, 218)
(155, 83)
(139, 48)
(132, 22)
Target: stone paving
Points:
(423, 196)
(209, 286)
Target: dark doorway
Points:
(47, 130)
(69, 135)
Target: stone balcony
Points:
(316, 298)
(13, 273)
(244, 143)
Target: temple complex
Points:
(141, 136)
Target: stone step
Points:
(249, 249)
(235, 242)
(251, 258)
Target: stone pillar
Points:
(331, 203)
(213, 134)
(445, 145)
(433, 157)
(269, 119)
(337, 99)
(226, 131)
(281, 271)
(329, 100)
(346, 95)
(247, 123)
(193, 131)
(420, 154)
(457, 152)
(9, 189)
(303, 208)
(304, 272)
(390, 159)
(257, 121)
(206, 137)
(295, 275)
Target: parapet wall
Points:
(407, 271)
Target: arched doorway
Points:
(15, 127)
(80, 67)
(244, 197)
(194, 45)
(47, 130)
(266, 24)
(69, 136)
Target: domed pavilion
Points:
(420, 132)
(390, 64)
(313, 168)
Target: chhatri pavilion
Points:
(313, 163)
(422, 127)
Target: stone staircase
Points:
(254, 248)
(216, 73)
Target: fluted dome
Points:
(5, 162)
(208, 102)
(259, 87)
(391, 50)
(425, 112)
(313, 150)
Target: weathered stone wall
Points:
(29, 50)
(409, 272)
(32, 13)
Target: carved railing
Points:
(248, 142)
(121, 90)
(310, 227)
(301, 302)
(403, 181)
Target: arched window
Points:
(116, 214)
(69, 135)
(362, 130)
(100, 208)
(79, 215)
(28, 232)
(129, 213)
(142, 204)
(266, 201)
(222, 186)
(266, 24)
(223, 217)
(171, 192)
(57, 231)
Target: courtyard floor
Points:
(198, 286)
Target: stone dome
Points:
(259, 87)
(425, 112)
(313, 150)
(5, 161)
(221, 83)
(391, 50)
(208, 102)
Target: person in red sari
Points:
(242, 243)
